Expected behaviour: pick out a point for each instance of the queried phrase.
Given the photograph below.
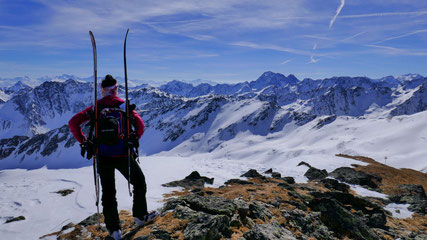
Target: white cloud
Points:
(285, 62)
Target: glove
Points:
(133, 140)
(87, 147)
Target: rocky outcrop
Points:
(268, 232)
(413, 194)
(192, 180)
(268, 208)
(315, 174)
(349, 175)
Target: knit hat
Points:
(108, 81)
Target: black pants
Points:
(106, 168)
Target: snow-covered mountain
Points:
(294, 117)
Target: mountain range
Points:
(182, 118)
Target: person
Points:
(108, 164)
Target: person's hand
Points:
(88, 148)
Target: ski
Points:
(127, 111)
(95, 156)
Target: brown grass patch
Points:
(391, 177)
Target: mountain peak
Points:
(271, 78)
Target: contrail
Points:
(404, 35)
(336, 14)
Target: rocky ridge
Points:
(279, 208)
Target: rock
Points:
(91, 220)
(286, 186)
(242, 208)
(185, 213)
(238, 181)
(268, 232)
(419, 207)
(413, 194)
(304, 163)
(333, 184)
(289, 180)
(172, 204)
(276, 175)
(191, 181)
(64, 192)
(269, 171)
(315, 174)
(359, 204)
(308, 223)
(252, 173)
(208, 226)
(196, 175)
(161, 234)
(15, 219)
(210, 204)
(341, 220)
(349, 175)
(377, 220)
(258, 210)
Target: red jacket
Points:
(108, 101)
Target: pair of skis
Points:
(96, 156)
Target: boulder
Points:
(349, 175)
(413, 194)
(315, 174)
(210, 204)
(374, 214)
(258, 210)
(341, 220)
(207, 226)
(252, 173)
(308, 223)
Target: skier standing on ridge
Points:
(114, 156)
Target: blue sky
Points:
(223, 40)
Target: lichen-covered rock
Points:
(268, 232)
(208, 226)
(375, 214)
(413, 194)
(341, 220)
(259, 210)
(210, 204)
(308, 223)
